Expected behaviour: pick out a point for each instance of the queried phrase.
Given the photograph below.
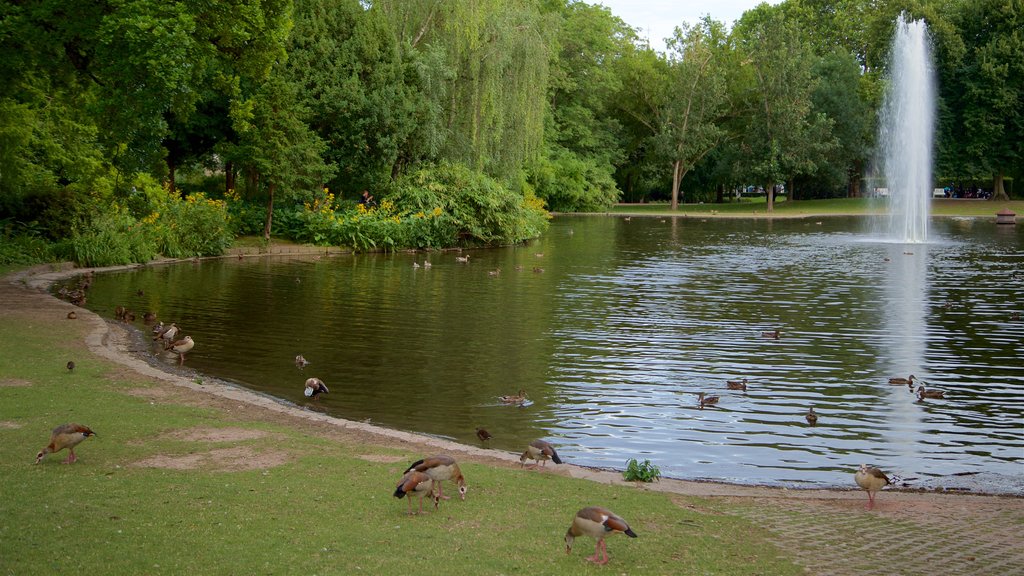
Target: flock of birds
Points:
(425, 477)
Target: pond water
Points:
(613, 326)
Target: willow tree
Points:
(492, 116)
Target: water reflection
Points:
(613, 327)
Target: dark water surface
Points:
(620, 327)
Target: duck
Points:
(514, 398)
(301, 361)
(181, 347)
(483, 435)
(736, 384)
(71, 365)
(149, 317)
(65, 436)
(415, 264)
(811, 417)
(541, 451)
(418, 484)
(705, 400)
(440, 468)
(72, 315)
(908, 380)
(464, 259)
(538, 270)
(599, 523)
(923, 393)
(872, 480)
(427, 265)
(119, 312)
(771, 334)
(495, 272)
(315, 387)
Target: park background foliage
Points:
(148, 128)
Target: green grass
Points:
(835, 206)
(325, 511)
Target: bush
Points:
(195, 226)
(636, 472)
(112, 238)
(24, 244)
(572, 184)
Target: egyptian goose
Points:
(418, 484)
(598, 523)
(771, 334)
(181, 347)
(301, 361)
(65, 436)
(923, 393)
(736, 384)
(540, 451)
(871, 479)
(167, 333)
(483, 435)
(811, 417)
(704, 400)
(514, 398)
(909, 381)
(315, 387)
(440, 468)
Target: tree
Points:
(689, 124)
(783, 137)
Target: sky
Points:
(656, 19)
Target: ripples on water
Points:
(626, 323)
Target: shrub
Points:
(636, 472)
(112, 238)
(195, 226)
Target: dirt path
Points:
(826, 531)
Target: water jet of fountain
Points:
(906, 132)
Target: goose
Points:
(705, 400)
(483, 435)
(65, 436)
(415, 483)
(315, 387)
(736, 384)
(599, 523)
(440, 468)
(872, 480)
(811, 417)
(540, 451)
(899, 381)
(167, 333)
(181, 347)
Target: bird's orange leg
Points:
(71, 457)
(595, 558)
(440, 491)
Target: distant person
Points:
(367, 199)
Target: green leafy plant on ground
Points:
(637, 472)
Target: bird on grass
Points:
(416, 484)
(811, 417)
(599, 523)
(181, 347)
(71, 365)
(65, 436)
(736, 384)
(483, 435)
(923, 393)
(705, 400)
(540, 451)
(440, 468)
(315, 387)
(872, 480)
(909, 381)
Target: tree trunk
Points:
(170, 175)
(769, 192)
(270, 210)
(998, 191)
(720, 194)
(791, 190)
(229, 177)
(853, 185)
(677, 168)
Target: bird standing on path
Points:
(415, 483)
(65, 436)
(598, 523)
(440, 468)
(541, 451)
(871, 479)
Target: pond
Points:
(613, 326)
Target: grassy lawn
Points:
(284, 498)
(835, 206)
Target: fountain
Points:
(906, 132)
